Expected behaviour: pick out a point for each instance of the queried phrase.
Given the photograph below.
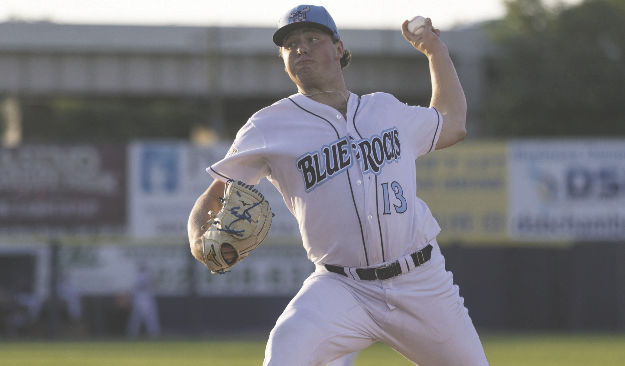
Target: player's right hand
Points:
(428, 41)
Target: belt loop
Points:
(405, 263)
(350, 273)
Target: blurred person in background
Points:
(144, 310)
(70, 298)
(23, 308)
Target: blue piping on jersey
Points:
(349, 180)
(377, 208)
(438, 122)
(377, 212)
(219, 174)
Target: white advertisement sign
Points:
(114, 269)
(165, 179)
(270, 270)
(566, 190)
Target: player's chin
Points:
(305, 76)
(303, 72)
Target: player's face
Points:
(310, 56)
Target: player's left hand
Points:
(427, 41)
(236, 230)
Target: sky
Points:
(385, 14)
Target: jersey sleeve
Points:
(432, 124)
(422, 124)
(245, 159)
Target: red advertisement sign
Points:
(63, 187)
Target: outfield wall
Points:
(577, 287)
(580, 288)
(533, 229)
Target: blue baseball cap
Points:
(305, 15)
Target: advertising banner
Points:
(465, 187)
(567, 190)
(62, 187)
(114, 269)
(167, 177)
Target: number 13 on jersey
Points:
(399, 202)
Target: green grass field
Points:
(502, 350)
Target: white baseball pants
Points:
(420, 314)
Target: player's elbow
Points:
(460, 123)
(461, 133)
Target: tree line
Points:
(555, 71)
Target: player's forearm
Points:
(208, 201)
(448, 97)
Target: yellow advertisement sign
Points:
(466, 189)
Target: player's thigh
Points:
(462, 348)
(433, 314)
(347, 360)
(323, 322)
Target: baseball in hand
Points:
(415, 26)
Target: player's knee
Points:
(304, 324)
(294, 338)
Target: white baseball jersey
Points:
(350, 183)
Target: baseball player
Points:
(345, 166)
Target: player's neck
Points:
(335, 98)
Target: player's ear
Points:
(340, 48)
